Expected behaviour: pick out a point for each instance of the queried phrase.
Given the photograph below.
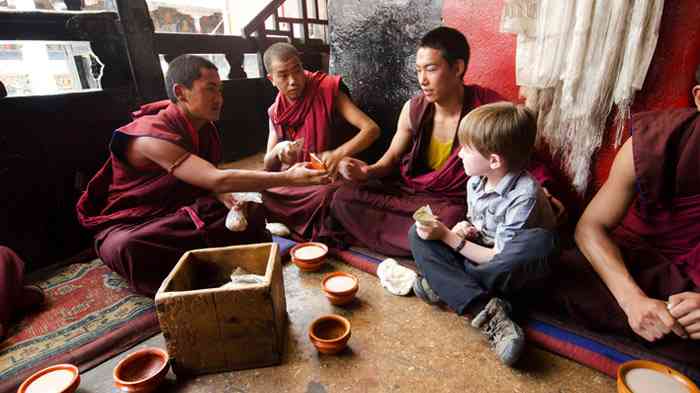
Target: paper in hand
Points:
(316, 162)
(425, 216)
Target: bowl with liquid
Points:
(142, 371)
(309, 256)
(60, 378)
(340, 287)
(330, 333)
(644, 376)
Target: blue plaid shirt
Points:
(516, 203)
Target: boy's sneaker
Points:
(424, 292)
(505, 336)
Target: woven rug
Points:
(89, 317)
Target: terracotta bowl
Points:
(626, 367)
(330, 333)
(142, 371)
(305, 263)
(62, 378)
(340, 296)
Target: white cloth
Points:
(235, 219)
(278, 229)
(397, 279)
(574, 59)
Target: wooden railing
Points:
(257, 27)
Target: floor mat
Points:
(90, 316)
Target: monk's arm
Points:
(369, 130)
(399, 144)
(271, 160)
(648, 317)
(603, 214)
(194, 170)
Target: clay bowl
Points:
(61, 378)
(312, 261)
(625, 368)
(330, 333)
(142, 371)
(340, 287)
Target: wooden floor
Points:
(398, 344)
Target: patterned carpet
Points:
(89, 317)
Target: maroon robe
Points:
(659, 238)
(314, 118)
(146, 219)
(378, 215)
(11, 276)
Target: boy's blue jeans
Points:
(524, 260)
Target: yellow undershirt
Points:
(438, 153)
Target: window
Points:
(48, 67)
(203, 16)
(58, 5)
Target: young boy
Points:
(506, 240)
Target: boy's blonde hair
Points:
(501, 128)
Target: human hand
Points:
(331, 159)
(465, 230)
(685, 308)
(435, 231)
(300, 175)
(650, 319)
(560, 213)
(353, 169)
(288, 151)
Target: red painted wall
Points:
(668, 82)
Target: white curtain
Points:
(574, 60)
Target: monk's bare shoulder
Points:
(610, 204)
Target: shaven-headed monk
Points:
(421, 166)
(641, 235)
(311, 114)
(160, 193)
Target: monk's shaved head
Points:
(280, 51)
(184, 70)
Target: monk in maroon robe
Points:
(15, 297)
(641, 235)
(377, 212)
(312, 113)
(160, 194)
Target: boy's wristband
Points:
(461, 245)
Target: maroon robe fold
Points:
(314, 118)
(659, 237)
(146, 219)
(378, 215)
(11, 277)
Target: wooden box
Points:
(208, 328)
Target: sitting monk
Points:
(310, 115)
(159, 194)
(641, 235)
(14, 296)
(425, 149)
